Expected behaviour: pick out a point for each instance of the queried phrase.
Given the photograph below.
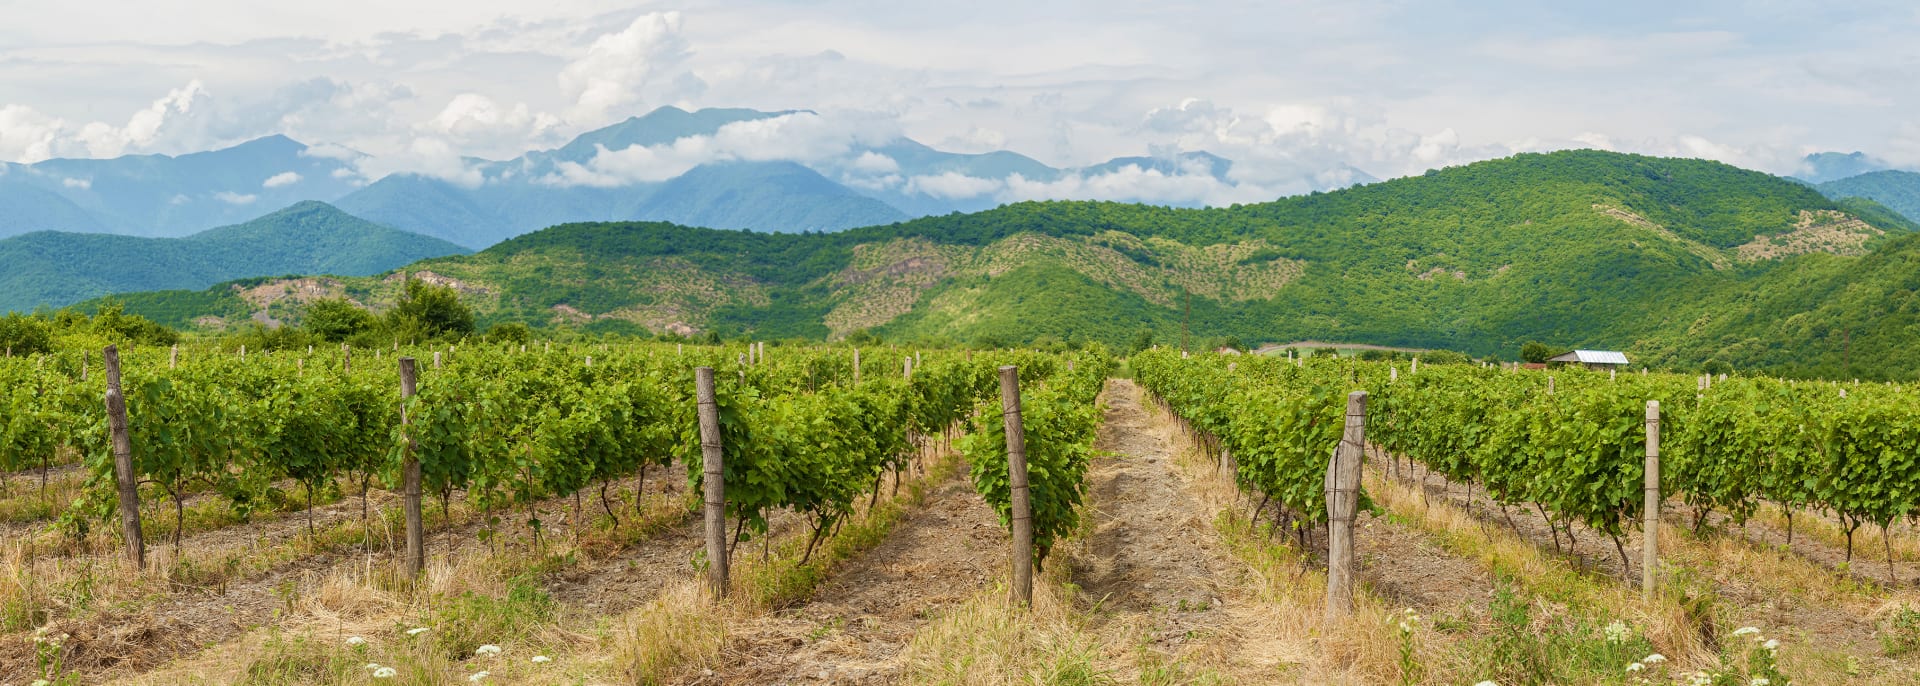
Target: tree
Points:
(1537, 352)
(1142, 340)
(509, 332)
(25, 335)
(429, 311)
(337, 319)
(113, 322)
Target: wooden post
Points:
(300, 365)
(123, 474)
(1393, 374)
(1416, 366)
(1343, 499)
(173, 358)
(1549, 385)
(714, 479)
(436, 359)
(589, 361)
(410, 480)
(1022, 510)
(907, 371)
(346, 358)
(856, 366)
(1650, 517)
(243, 353)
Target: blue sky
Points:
(1290, 89)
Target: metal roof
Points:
(1593, 357)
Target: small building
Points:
(1594, 359)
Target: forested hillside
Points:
(56, 269)
(1581, 248)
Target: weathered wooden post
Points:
(714, 479)
(1650, 518)
(1343, 499)
(346, 358)
(856, 366)
(907, 370)
(436, 359)
(124, 478)
(173, 358)
(1416, 366)
(1021, 514)
(410, 479)
(243, 353)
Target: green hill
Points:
(1582, 248)
(54, 269)
(1898, 190)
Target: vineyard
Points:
(547, 501)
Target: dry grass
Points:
(987, 642)
(1664, 622)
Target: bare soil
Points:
(1748, 600)
(856, 625)
(134, 638)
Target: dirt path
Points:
(1153, 557)
(856, 626)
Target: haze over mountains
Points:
(719, 168)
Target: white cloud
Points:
(232, 198)
(475, 118)
(803, 137)
(871, 162)
(281, 179)
(26, 135)
(953, 185)
(81, 184)
(616, 69)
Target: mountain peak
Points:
(1821, 167)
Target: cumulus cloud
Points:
(803, 137)
(232, 198)
(472, 117)
(281, 179)
(616, 69)
(27, 135)
(870, 162)
(954, 185)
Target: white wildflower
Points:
(1759, 681)
(416, 631)
(541, 659)
(1635, 667)
(356, 641)
(1486, 683)
(1771, 644)
(1654, 659)
(479, 677)
(488, 650)
(385, 673)
(372, 666)
(42, 682)
(1618, 632)
(1406, 628)
(1746, 631)
(1700, 679)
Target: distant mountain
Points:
(1898, 190)
(1578, 248)
(55, 269)
(743, 195)
(1822, 167)
(843, 187)
(160, 195)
